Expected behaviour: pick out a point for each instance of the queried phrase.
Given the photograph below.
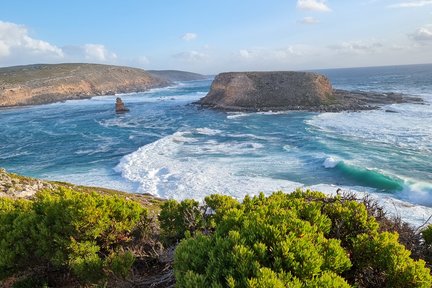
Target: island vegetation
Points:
(69, 236)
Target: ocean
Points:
(171, 148)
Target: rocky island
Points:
(282, 90)
(47, 83)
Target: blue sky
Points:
(214, 36)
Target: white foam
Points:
(234, 115)
(331, 162)
(175, 167)
(409, 128)
(183, 165)
(417, 192)
(208, 131)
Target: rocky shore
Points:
(15, 186)
(277, 91)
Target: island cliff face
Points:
(283, 90)
(43, 83)
(267, 90)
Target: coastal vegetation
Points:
(73, 236)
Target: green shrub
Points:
(17, 241)
(382, 261)
(264, 233)
(34, 281)
(427, 235)
(121, 263)
(349, 219)
(176, 219)
(303, 239)
(217, 206)
(65, 229)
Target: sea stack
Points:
(120, 107)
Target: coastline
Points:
(50, 83)
(347, 101)
(17, 186)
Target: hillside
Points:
(175, 75)
(47, 83)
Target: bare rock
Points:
(15, 186)
(120, 107)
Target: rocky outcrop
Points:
(120, 107)
(264, 91)
(12, 185)
(43, 83)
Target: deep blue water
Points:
(169, 147)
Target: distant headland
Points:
(284, 90)
(48, 83)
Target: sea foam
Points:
(182, 165)
(178, 167)
(330, 162)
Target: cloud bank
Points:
(18, 47)
(15, 42)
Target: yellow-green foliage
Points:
(66, 229)
(303, 239)
(427, 235)
(382, 255)
(176, 219)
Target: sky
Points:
(209, 36)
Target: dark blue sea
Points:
(171, 148)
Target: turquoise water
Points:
(169, 147)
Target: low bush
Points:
(64, 229)
(303, 239)
(176, 219)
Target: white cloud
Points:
(190, 56)
(309, 20)
(314, 5)
(423, 34)
(358, 47)
(189, 36)
(18, 47)
(98, 52)
(411, 4)
(16, 43)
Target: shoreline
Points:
(349, 101)
(395, 207)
